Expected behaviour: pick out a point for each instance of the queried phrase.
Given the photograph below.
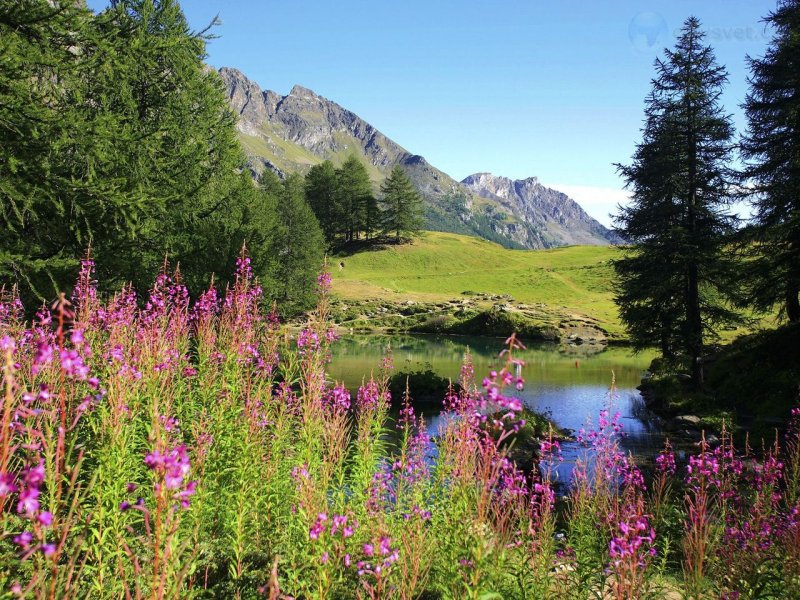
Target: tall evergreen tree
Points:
(321, 194)
(178, 149)
(673, 280)
(355, 200)
(297, 249)
(771, 149)
(115, 134)
(51, 139)
(401, 205)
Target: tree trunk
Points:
(694, 320)
(793, 302)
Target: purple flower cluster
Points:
(416, 511)
(380, 490)
(665, 462)
(172, 468)
(206, 306)
(370, 398)
(338, 399)
(378, 557)
(85, 292)
(414, 468)
(340, 525)
(324, 282)
(27, 485)
(11, 309)
(494, 385)
(308, 341)
(633, 538)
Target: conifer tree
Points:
(673, 280)
(354, 198)
(297, 249)
(401, 205)
(771, 149)
(321, 194)
(115, 134)
(51, 208)
(177, 151)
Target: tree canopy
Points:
(401, 205)
(771, 149)
(115, 135)
(674, 281)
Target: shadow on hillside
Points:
(346, 249)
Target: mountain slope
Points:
(557, 219)
(294, 132)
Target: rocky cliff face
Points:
(294, 132)
(552, 216)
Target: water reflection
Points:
(570, 384)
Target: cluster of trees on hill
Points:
(115, 136)
(346, 207)
(690, 267)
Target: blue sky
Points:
(545, 88)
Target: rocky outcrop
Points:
(552, 216)
(292, 133)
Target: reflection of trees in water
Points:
(486, 347)
(561, 365)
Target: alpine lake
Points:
(568, 383)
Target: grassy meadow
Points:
(560, 283)
(441, 266)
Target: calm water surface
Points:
(571, 384)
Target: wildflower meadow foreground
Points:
(171, 449)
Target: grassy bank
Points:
(753, 382)
(543, 289)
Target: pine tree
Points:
(771, 149)
(177, 151)
(401, 205)
(51, 208)
(114, 134)
(321, 194)
(354, 198)
(673, 281)
(297, 249)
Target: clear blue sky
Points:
(546, 88)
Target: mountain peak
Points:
(487, 177)
(552, 214)
(302, 92)
(294, 132)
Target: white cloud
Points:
(599, 202)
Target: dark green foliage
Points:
(759, 374)
(177, 147)
(674, 280)
(355, 202)
(51, 204)
(297, 249)
(115, 135)
(401, 205)
(426, 388)
(493, 322)
(343, 201)
(322, 197)
(771, 148)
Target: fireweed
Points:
(156, 447)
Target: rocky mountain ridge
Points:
(292, 133)
(556, 217)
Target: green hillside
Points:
(562, 283)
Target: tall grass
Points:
(168, 449)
